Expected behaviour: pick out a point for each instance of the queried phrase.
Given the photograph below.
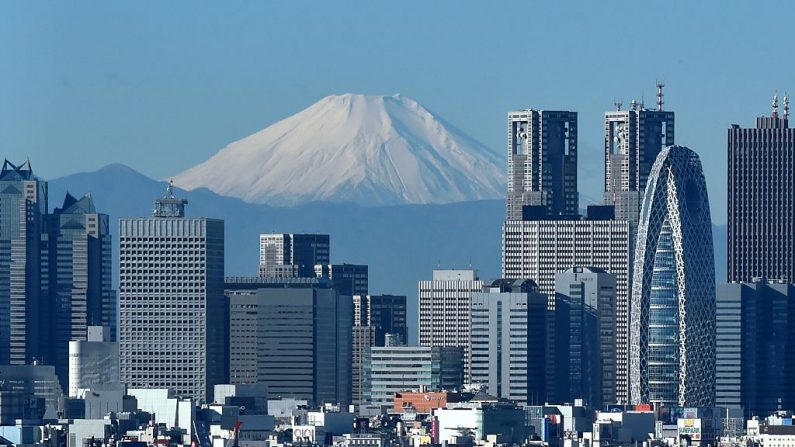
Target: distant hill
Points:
(402, 244)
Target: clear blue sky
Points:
(160, 86)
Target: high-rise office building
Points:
(374, 318)
(542, 162)
(293, 335)
(171, 301)
(755, 347)
(445, 310)
(389, 370)
(348, 279)
(672, 343)
(585, 317)
(79, 271)
(539, 249)
(291, 255)
(509, 324)
(761, 204)
(24, 302)
(633, 138)
(385, 313)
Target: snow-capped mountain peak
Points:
(372, 150)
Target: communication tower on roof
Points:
(660, 95)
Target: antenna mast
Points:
(660, 95)
(775, 106)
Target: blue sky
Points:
(161, 86)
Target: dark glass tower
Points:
(542, 162)
(79, 277)
(762, 199)
(23, 300)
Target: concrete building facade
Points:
(539, 249)
(293, 335)
(542, 162)
(445, 310)
(509, 326)
(93, 361)
(761, 199)
(172, 306)
(633, 138)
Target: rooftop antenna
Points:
(618, 104)
(633, 105)
(775, 106)
(642, 102)
(660, 95)
(786, 106)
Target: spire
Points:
(660, 95)
(786, 106)
(775, 106)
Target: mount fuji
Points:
(367, 150)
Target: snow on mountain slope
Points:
(370, 150)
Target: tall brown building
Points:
(762, 199)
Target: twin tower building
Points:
(653, 233)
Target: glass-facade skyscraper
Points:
(672, 327)
(79, 271)
(23, 287)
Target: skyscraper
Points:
(539, 249)
(586, 346)
(79, 277)
(348, 279)
(633, 138)
(509, 324)
(445, 310)
(374, 317)
(293, 335)
(672, 349)
(172, 307)
(755, 352)
(24, 303)
(761, 202)
(542, 162)
(289, 255)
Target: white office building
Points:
(94, 361)
(171, 299)
(445, 303)
(539, 249)
(509, 321)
